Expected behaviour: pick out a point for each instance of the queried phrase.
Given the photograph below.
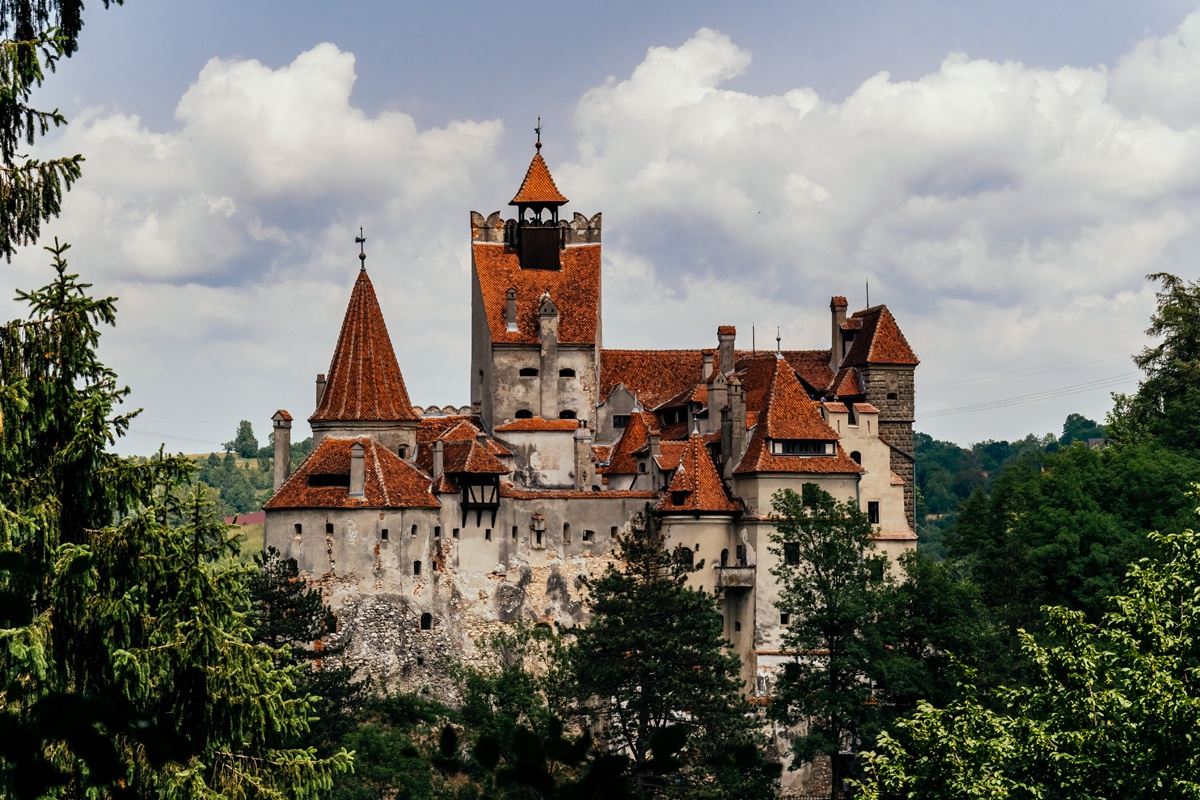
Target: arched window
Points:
(566, 413)
(524, 413)
(725, 558)
(427, 621)
(566, 372)
(528, 372)
(402, 451)
(416, 568)
(642, 466)
(856, 457)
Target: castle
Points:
(428, 527)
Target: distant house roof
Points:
(323, 480)
(364, 381)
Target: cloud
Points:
(1006, 214)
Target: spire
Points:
(361, 240)
(538, 190)
(364, 381)
(696, 486)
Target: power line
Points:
(1049, 394)
(1029, 371)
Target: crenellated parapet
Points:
(493, 229)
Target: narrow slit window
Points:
(416, 568)
(437, 531)
(487, 534)
(383, 534)
(539, 537)
(873, 512)
(514, 533)
(566, 533)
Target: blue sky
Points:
(1004, 175)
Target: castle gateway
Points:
(427, 527)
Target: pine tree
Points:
(127, 668)
(244, 443)
(654, 670)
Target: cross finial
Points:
(538, 131)
(361, 241)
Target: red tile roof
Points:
(364, 381)
(896, 480)
(283, 415)
(837, 408)
(838, 300)
(726, 330)
(431, 428)
(622, 461)
(575, 290)
(865, 408)
(812, 366)
(468, 456)
(846, 383)
(669, 453)
(879, 341)
(538, 424)
(788, 411)
(391, 482)
(696, 487)
(538, 187)
(468, 430)
(508, 490)
(653, 376)
(758, 458)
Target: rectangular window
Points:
(437, 531)
(329, 527)
(454, 533)
(539, 537)
(873, 512)
(784, 618)
(383, 534)
(808, 494)
(416, 568)
(791, 553)
(566, 533)
(613, 531)
(299, 529)
(589, 536)
(620, 420)
(514, 533)
(414, 530)
(801, 447)
(487, 534)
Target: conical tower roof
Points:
(696, 486)
(364, 381)
(538, 188)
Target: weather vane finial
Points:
(361, 241)
(538, 131)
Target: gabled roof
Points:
(364, 381)
(788, 413)
(759, 458)
(669, 454)
(467, 430)
(538, 187)
(391, 482)
(575, 290)
(696, 485)
(879, 340)
(622, 460)
(846, 383)
(469, 457)
(812, 366)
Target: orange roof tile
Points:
(622, 461)
(897, 536)
(812, 366)
(669, 453)
(846, 383)
(789, 412)
(430, 428)
(865, 408)
(575, 290)
(445, 485)
(461, 456)
(896, 480)
(391, 482)
(538, 187)
(364, 380)
(538, 424)
(726, 330)
(508, 490)
(880, 340)
(283, 415)
(839, 301)
(837, 408)
(696, 487)
(652, 376)
(758, 458)
(601, 452)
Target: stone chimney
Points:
(718, 397)
(726, 336)
(654, 446)
(439, 459)
(548, 373)
(585, 473)
(283, 446)
(708, 367)
(320, 388)
(837, 309)
(358, 472)
(737, 426)
(510, 310)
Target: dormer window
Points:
(801, 447)
(679, 498)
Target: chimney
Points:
(718, 397)
(548, 373)
(737, 426)
(584, 469)
(837, 309)
(654, 446)
(510, 310)
(726, 335)
(283, 446)
(320, 388)
(708, 366)
(358, 472)
(439, 459)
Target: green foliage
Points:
(244, 443)
(1111, 710)
(833, 587)
(652, 669)
(240, 489)
(126, 667)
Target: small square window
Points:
(737, 626)
(589, 536)
(454, 533)
(299, 529)
(329, 527)
(383, 534)
(784, 618)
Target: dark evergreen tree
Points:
(654, 670)
(127, 667)
(244, 443)
(833, 587)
